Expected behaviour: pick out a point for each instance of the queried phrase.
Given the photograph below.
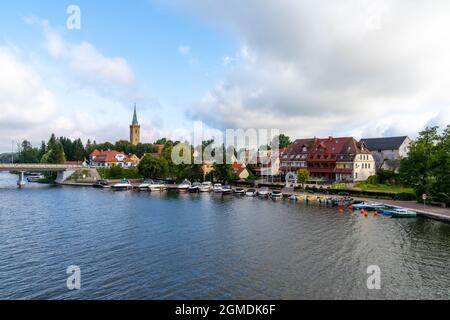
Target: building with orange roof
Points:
(111, 158)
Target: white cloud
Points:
(111, 77)
(25, 101)
(320, 67)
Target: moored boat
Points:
(402, 213)
(194, 188)
(184, 186)
(251, 192)
(263, 192)
(276, 194)
(122, 185)
(217, 188)
(102, 184)
(156, 186)
(239, 191)
(35, 177)
(369, 207)
(226, 190)
(205, 187)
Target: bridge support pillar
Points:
(64, 175)
(21, 183)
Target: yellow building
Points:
(135, 130)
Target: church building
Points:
(135, 130)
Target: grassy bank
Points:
(119, 173)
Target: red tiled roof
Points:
(110, 156)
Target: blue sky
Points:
(307, 68)
(175, 58)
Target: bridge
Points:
(64, 171)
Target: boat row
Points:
(389, 211)
(263, 192)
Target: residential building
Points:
(388, 152)
(266, 164)
(340, 160)
(241, 171)
(111, 158)
(295, 156)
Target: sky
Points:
(307, 68)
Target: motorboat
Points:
(35, 177)
(276, 194)
(263, 192)
(251, 192)
(123, 185)
(102, 184)
(293, 198)
(184, 186)
(239, 191)
(205, 187)
(156, 186)
(226, 190)
(369, 207)
(145, 186)
(217, 188)
(399, 213)
(194, 188)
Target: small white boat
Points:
(123, 185)
(156, 186)
(194, 188)
(145, 186)
(276, 195)
(227, 190)
(251, 193)
(239, 191)
(184, 186)
(152, 185)
(217, 188)
(35, 177)
(293, 198)
(263, 192)
(205, 187)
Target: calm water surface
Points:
(171, 246)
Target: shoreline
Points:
(428, 212)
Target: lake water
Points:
(133, 245)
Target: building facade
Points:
(112, 158)
(135, 130)
(388, 152)
(329, 160)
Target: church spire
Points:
(135, 120)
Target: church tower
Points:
(135, 130)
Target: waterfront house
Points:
(111, 158)
(265, 164)
(295, 156)
(240, 170)
(388, 152)
(340, 160)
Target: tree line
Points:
(427, 168)
(62, 149)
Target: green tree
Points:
(284, 141)
(224, 172)
(303, 177)
(27, 153)
(55, 152)
(419, 168)
(151, 167)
